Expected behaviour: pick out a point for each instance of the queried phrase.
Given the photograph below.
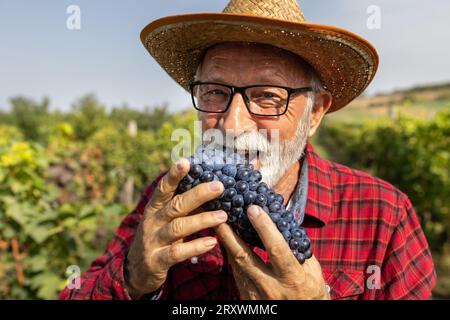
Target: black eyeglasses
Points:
(260, 100)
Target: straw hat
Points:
(345, 62)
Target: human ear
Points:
(322, 103)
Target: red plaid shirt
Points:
(360, 227)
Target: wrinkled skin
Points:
(168, 219)
(158, 243)
(284, 279)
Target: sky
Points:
(40, 56)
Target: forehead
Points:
(241, 55)
(254, 49)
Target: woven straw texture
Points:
(283, 10)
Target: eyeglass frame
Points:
(241, 90)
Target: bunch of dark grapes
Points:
(243, 187)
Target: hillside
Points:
(421, 102)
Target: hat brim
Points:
(345, 62)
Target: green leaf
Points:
(86, 211)
(39, 233)
(88, 223)
(16, 212)
(36, 263)
(48, 285)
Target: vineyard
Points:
(67, 179)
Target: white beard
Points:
(275, 157)
(273, 165)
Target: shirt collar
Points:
(319, 205)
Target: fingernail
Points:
(215, 186)
(221, 215)
(253, 212)
(180, 164)
(210, 242)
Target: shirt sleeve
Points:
(104, 280)
(408, 271)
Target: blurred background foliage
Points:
(67, 179)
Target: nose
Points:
(237, 118)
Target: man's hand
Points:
(158, 243)
(284, 278)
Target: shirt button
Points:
(194, 260)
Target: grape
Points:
(252, 185)
(249, 197)
(229, 194)
(304, 244)
(255, 176)
(196, 183)
(288, 216)
(308, 254)
(238, 201)
(298, 233)
(210, 206)
(294, 244)
(275, 216)
(244, 223)
(188, 179)
(185, 187)
(286, 235)
(196, 171)
(236, 211)
(242, 188)
(207, 176)
(243, 174)
(260, 200)
(262, 188)
(270, 197)
(279, 198)
(282, 225)
(226, 206)
(232, 219)
(300, 256)
(228, 182)
(275, 207)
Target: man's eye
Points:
(267, 95)
(216, 92)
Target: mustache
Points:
(246, 141)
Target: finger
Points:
(280, 254)
(182, 227)
(169, 184)
(182, 204)
(180, 251)
(240, 253)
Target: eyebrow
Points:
(274, 78)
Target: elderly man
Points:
(365, 235)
